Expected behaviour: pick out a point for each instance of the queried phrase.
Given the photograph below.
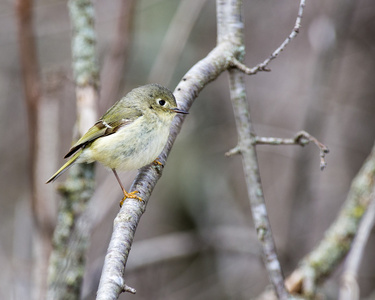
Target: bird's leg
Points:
(126, 194)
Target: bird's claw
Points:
(131, 195)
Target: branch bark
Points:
(112, 282)
(229, 47)
(321, 262)
(67, 260)
(349, 285)
(246, 145)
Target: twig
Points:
(302, 138)
(263, 66)
(349, 286)
(254, 188)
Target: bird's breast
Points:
(131, 147)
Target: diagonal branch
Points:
(218, 60)
(321, 262)
(125, 224)
(349, 285)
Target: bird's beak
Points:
(179, 111)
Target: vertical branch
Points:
(254, 187)
(31, 80)
(229, 12)
(32, 93)
(67, 260)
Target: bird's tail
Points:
(66, 166)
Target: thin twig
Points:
(302, 138)
(263, 66)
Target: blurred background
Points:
(196, 239)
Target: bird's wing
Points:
(105, 126)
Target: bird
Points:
(130, 135)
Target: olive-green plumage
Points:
(130, 135)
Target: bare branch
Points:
(263, 66)
(70, 239)
(42, 216)
(302, 138)
(246, 146)
(111, 281)
(339, 237)
(321, 262)
(218, 60)
(254, 188)
(349, 285)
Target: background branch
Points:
(302, 138)
(321, 262)
(67, 261)
(349, 278)
(263, 66)
(41, 205)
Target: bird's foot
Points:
(131, 195)
(157, 163)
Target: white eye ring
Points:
(161, 102)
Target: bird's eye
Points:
(161, 102)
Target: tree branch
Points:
(67, 260)
(302, 138)
(321, 262)
(263, 66)
(349, 286)
(246, 145)
(218, 60)
(111, 281)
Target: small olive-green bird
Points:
(130, 135)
